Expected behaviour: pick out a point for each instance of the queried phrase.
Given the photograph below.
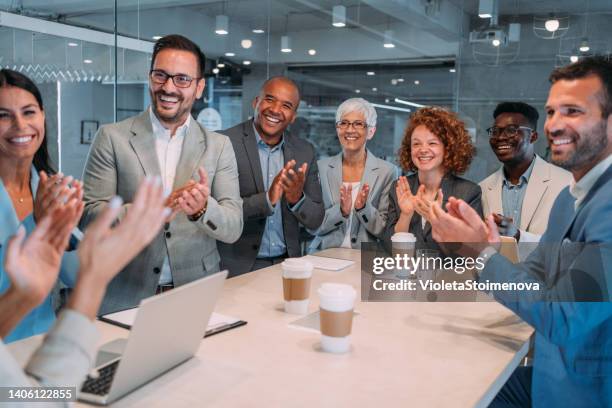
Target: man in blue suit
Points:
(573, 345)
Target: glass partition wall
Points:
(91, 60)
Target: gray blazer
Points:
(368, 223)
(240, 257)
(452, 186)
(121, 156)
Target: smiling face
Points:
(172, 104)
(513, 149)
(351, 139)
(275, 108)
(578, 135)
(426, 149)
(22, 124)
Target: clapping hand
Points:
(33, 263)
(405, 198)
(423, 204)
(346, 199)
(192, 197)
(293, 181)
(54, 191)
(362, 197)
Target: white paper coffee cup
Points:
(297, 274)
(403, 243)
(336, 316)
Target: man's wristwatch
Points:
(198, 215)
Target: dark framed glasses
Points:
(180, 80)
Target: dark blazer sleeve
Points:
(473, 196)
(311, 211)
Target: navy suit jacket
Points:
(573, 345)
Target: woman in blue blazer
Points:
(355, 183)
(24, 196)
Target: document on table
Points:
(216, 324)
(329, 264)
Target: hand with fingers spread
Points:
(362, 197)
(32, 263)
(194, 199)
(462, 224)
(54, 191)
(423, 204)
(346, 199)
(104, 251)
(275, 192)
(405, 198)
(293, 181)
(172, 199)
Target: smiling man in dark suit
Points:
(279, 181)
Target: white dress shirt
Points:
(168, 149)
(580, 189)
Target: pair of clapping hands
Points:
(32, 263)
(192, 198)
(346, 198)
(419, 202)
(288, 182)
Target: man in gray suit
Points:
(278, 195)
(166, 142)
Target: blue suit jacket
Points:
(40, 319)
(573, 344)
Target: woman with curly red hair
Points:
(436, 147)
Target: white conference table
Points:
(403, 354)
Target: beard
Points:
(588, 146)
(169, 117)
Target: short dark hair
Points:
(284, 79)
(178, 42)
(8, 77)
(598, 65)
(524, 109)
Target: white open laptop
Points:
(167, 331)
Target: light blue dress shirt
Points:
(514, 194)
(41, 318)
(272, 161)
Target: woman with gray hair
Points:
(355, 183)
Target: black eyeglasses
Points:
(357, 125)
(510, 130)
(180, 80)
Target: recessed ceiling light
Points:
(258, 31)
(157, 37)
(230, 54)
(388, 39)
(215, 71)
(496, 42)
(416, 82)
(394, 81)
(312, 52)
(574, 58)
(87, 61)
(400, 79)
(584, 46)
(73, 44)
(220, 65)
(246, 43)
(453, 70)
(370, 73)
(339, 16)
(357, 91)
(374, 89)
(246, 62)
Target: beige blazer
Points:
(122, 155)
(545, 184)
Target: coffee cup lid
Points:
(403, 237)
(337, 290)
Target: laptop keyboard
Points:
(102, 384)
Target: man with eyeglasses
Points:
(279, 181)
(521, 193)
(196, 167)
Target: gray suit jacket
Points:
(240, 257)
(121, 156)
(368, 223)
(452, 186)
